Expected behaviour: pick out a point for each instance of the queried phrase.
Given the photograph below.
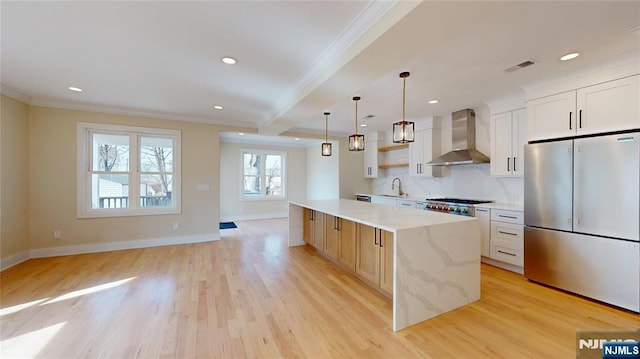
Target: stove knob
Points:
(457, 210)
(450, 209)
(464, 210)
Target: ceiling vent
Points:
(519, 66)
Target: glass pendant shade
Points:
(326, 149)
(404, 131)
(356, 141)
(326, 146)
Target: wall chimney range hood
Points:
(463, 131)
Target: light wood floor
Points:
(249, 295)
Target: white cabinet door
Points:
(424, 149)
(416, 164)
(609, 106)
(508, 137)
(552, 116)
(485, 230)
(371, 159)
(389, 201)
(501, 140)
(519, 136)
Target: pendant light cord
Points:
(404, 88)
(356, 117)
(326, 128)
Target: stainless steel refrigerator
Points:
(582, 215)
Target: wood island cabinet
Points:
(368, 254)
(313, 228)
(374, 257)
(386, 261)
(347, 244)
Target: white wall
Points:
(463, 181)
(232, 208)
(323, 173)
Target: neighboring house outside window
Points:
(263, 175)
(119, 163)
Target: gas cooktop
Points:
(457, 200)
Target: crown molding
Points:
(8, 91)
(135, 113)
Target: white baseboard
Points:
(104, 247)
(249, 217)
(503, 265)
(13, 260)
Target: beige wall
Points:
(52, 195)
(323, 177)
(352, 179)
(14, 181)
(232, 208)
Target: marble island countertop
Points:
(436, 256)
(381, 216)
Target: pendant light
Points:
(356, 141)
(403, 131)
(326, 146)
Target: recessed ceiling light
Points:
(363, 125)
(218, 107)
(433, 101)
(570, 56)
(297, 138)
(229, 60)
(75, 89)
(240, 133)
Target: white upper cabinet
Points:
(371, 155)
(606, 107)
(610, 106)
(425, 148)
(508, 137)
(552, 116)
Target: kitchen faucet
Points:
(400, 193)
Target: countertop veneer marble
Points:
(436, 265)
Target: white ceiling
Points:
(298, 59)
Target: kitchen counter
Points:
(505, 206)
(436, 257)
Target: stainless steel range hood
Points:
(463, 130)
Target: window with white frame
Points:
(263, 174)
(127, 171)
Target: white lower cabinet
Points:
(502, 234)
(484, 215)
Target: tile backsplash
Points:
(463, 181)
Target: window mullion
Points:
(134, 172)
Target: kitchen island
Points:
(436, 256)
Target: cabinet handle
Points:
(311, 215)
(514, 164)
(480, 210)
(375, 238)
(507, 253)
(509, 233)
(337, 223)
(570, 120)
(580, 119)
(510, 217)
(508, 170)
